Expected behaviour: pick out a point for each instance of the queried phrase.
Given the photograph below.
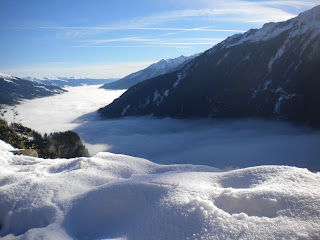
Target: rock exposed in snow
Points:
(111, 196)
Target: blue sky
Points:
(105, 39)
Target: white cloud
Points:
(151, 42)
(213, 3)
(239, 11)
(58, 113)
(295, 4)
(219, 143)
(188, 43)
(205, 10)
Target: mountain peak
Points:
(304, 22)
(272, 72)
(14, 89)
(159, 68)
(6, 76)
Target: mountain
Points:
(156, 69)
(13, 89)
(272, 72)
(70, 82)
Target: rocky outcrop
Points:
(26, 152)
(67, 145)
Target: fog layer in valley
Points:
(222, 143)
(218, 143)
(57, 113)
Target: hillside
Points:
(58, 144)
(13, 89)
(270, 72)
(162, 67)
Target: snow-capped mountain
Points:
(162, 67)
(70, 82)
(13, 89)
(272, 72)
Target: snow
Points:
(166, 64)
(133, 75)
(125, 109)
(7, 78)
(224, 57)
(266, 84)
(283, 96)
(144, 105)
(43, 87)
(158, 97)
(121, 197)
(298, 26)
(177, 81)
(275, 57)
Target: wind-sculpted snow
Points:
(112, 196)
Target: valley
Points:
(226, 144)
(186, 120)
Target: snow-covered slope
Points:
(156, 69)
(272, 72)
(306, 22)
(13, 89)
(111, 196)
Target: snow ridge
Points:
(120, 197)
(296, 26)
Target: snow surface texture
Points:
(111, 196)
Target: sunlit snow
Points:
(111, 196)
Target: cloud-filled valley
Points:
(218, 140)
(218, 143)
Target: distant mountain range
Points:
(272, 72)
(156, 69)
(13, 89)
(70, 82)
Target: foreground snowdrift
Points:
(120, 197)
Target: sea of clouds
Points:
(219, 143)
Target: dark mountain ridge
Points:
(272, 72)
(13, 89)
